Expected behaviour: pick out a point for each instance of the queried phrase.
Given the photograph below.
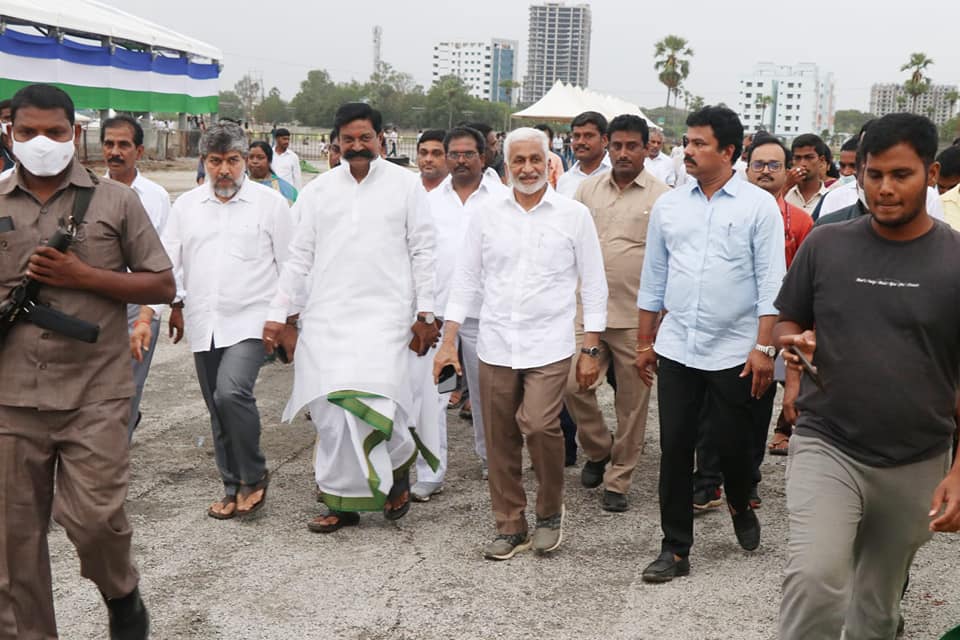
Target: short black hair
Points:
(762, 138)
(850, 145)
(465, 132)
(119, 121)
(42, 96)
(263, 146)
(435, 135)
(4, 104)
(630, 122)
(949, 160)
(832, 171)
(482, 127)
(281, 132)
(727, 128)
(546, 129)
(590, 117)
(890, 130)
(334, 134)
(350, 111)
(810, 140)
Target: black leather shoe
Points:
(128, 617)
(613, 501)
(747, 527)
(666, 567)
(591, 476)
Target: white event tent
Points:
(565, 101)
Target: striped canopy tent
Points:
(105, 58)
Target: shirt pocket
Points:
(733, 242)
(554, 253)
(245, 242)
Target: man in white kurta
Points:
(366, 240)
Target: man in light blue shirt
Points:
(713, 266)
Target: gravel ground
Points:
(423, 577)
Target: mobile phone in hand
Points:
(447, 381)
(282, 354)
(807, 367)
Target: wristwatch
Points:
(769, 351)
(593, 352)
(429, 318)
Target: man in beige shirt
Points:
(620, 201)
(809, 164)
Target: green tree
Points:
(272, 109)
(850, 120)
(318, 99)
(671, 59)
(508, 86)
(918, 83)
(230, 105)
(248, 90)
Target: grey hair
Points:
(224, 137)
(526, 134)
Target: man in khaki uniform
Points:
(620, 201)
(64, 404)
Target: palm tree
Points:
(671, 60)
(763, 102)
(918, 83)
(508, 86)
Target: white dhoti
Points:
(362, 441)
(429, 419)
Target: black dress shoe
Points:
(666, 567)
(591, 476)
(613, 501)
(128, 617)
(747, 527)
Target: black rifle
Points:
(21, 303)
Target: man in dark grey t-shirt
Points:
(873, 445)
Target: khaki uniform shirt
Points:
(44, 369)
(621, 218)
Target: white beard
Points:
(531, 188)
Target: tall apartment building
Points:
(482, 66)
(558, 47)
(786, 100)
(935, 103)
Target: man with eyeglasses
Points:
(465, 193)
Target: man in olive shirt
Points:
(620, 201)
(64, 404)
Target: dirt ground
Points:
(423, 577)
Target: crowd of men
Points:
(530, 283)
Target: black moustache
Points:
(690, 160)
(365, 153)
(115, 161)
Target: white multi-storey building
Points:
(786, 100)
(483, 66)
(936, 103)
(558, 47)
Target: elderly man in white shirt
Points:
(657, 162)
(227, 240)
(588, 139)
(364, 244)
(121, 138)
(286, 163)
(523, 257)
(466, 193)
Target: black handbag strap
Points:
(81, 202)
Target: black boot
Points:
(128, 617)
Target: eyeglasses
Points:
(465, 155)
(759, 165)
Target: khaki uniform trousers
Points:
(86, 451)
(518, 404)
(619, 350)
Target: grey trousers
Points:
(140, 369)
(854, 530)
(227, 377)
(471, 364)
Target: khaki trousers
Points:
(86, 451)
(618, 349)
(518, 404)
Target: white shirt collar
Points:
(604, 164)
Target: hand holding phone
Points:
(808, 368)
(447, 380)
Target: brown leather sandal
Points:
(247, 496)
(333, 521)
(779, 445)
(218, 510)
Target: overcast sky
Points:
(860, 42)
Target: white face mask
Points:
(42, 156)
(847, 179)
(862, 196)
